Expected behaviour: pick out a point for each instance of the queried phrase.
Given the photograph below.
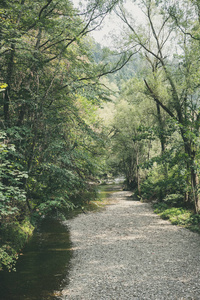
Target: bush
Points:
(175, 200)
(8, 257)
(178, 216)
(13, 238)
(159, 186)
(160, 207)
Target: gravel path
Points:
(128, 252)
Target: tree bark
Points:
(10, 67)
(138, 174)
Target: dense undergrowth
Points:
(168, 196)
(178, 216)
(13, 237)
(64, 123)
(14, 234)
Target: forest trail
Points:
(127, 252)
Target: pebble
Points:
(126, 252)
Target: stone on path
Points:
(127, 252)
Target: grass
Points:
(178, 216)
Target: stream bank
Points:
(43, 266)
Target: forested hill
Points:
(72, 110)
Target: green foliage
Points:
(12, 194)
(126, 151)
(175, 215)
(174, 200)
(16, 233)
(49, 206)
(157, 187)
(52, 82)
(172, 84)
(178, 216)
(13, 236)
(51, 141)
(160, 207)
(8, 257)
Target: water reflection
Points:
(42, 268)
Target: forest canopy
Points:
(73, 111)
(50, 90)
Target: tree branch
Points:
(158, 101)
(44, 7)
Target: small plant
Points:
(178, 216)
(160, 207)
(172, 212)
(175, 200)
(13, 238)
(8, 257)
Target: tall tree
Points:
(181, 106)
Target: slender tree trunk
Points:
(195, 183)
(161, 133)
(191, 166)
(138, 175)
(9, 76)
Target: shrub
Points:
(160, 207)
(8, 257)
(178, 216)
(175, 200)
(13, 238)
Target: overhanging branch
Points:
(159, 102)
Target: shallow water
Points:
(43, 267)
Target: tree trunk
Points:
(195, 183)
(191, 166)
(138, 180)
(161, 133)
(137, 170)
(8, 81)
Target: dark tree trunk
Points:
(10, 67)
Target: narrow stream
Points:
(43, 268)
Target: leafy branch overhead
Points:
(73, 112)
(50, 91)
